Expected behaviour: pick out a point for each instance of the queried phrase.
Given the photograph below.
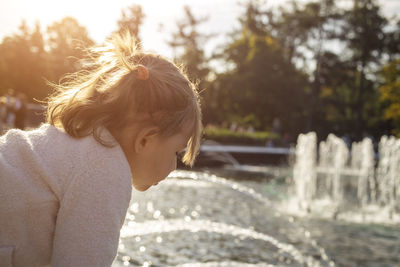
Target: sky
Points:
(102, 18)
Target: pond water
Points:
(199, 219)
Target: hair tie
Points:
(142, 72)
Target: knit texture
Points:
(62, 200)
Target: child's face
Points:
(156, 158)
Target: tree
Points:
(392, 42)
(190, 43)
(262, 83)
(365, 37)
(305, 29)
(390, 94)
(131, 20)
(343, 83)
(28, 59)
(67, 43)
(23, 62)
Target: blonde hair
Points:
(109, 93)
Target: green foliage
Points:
(67, 42)
(227, 136)
(262, 82)
(364, 35)
(390, 94)
(312, 65)
(28, 59)
(22, 62)
(187, 43)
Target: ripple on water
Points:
(151, 227)
(209, 222)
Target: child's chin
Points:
(141, 188)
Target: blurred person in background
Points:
(20, 110)
(10, 108)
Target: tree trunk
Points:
(359, 101)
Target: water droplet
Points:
(134, 207)
(150, 207)
(159, 239)
(142, 249)
(188, 219)
(194, 214)
(126, 263)
(184, 209)
(146, 263)
(138, 239)
(156, 214)
(126, 258)
(171, 211)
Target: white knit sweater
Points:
(62, 200)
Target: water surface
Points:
(195, 219)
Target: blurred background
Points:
(276, 67)
(260, 194)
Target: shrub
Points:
(227, 136)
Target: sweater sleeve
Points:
(90, 217)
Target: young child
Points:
(65, 187)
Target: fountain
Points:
(304, 167)
(388, 173)
(203, 220)
(214, 223)
(338, 170)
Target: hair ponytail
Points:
(121, 85)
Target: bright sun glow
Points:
(100, 17)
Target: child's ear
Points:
(145, 137)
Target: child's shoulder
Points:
(32, 136)
(45, 140)
(54, 144)
(87, 150)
